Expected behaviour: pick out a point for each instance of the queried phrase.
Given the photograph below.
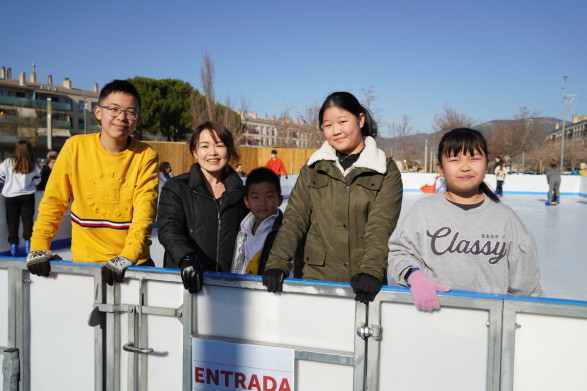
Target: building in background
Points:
(575, 132)
(279, 133)
(24, 109)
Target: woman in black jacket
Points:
(200, 212)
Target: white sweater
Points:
(16, 184)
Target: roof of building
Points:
(49, 88)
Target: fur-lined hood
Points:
(371, 158)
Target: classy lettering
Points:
(443, 242)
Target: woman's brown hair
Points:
(24, 158)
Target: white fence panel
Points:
(551, 353)
(163, 367)
(423, 350)
(316, 323)
(61, 341)
(165, 336)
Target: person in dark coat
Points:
(200, 211)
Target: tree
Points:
(517, 137)
(165, 106)
(204, 107)
(311, 132)
(450, 119)
(401, 132)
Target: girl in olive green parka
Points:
(343, 207)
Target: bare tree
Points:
(401, 132)
(450, 119)
(575, 153)
(205, 108)
(311, 130)
(369, 99)
(518, 137)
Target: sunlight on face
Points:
(211, 152)
(342, 130)
(463, 174)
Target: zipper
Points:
(219, 225)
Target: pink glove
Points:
(424, 291)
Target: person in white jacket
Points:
(21, 175)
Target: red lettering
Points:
(266, 380)
(227, 375)
(254, 383)
(284, 385)
(212, 376)
(199, 375)
(239, 380)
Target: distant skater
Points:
(500, 177)
(276, 165)
(553, 176)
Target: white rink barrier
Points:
(71, 332)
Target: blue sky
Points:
(485, 59)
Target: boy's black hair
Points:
(347, 101)
(120, 86)
(274, 152)
(465, 140)
(260, 175)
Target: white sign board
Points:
(220, 365)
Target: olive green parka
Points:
(340, 220)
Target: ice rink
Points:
(560, 233)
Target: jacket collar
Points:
(371, 158)
(232, 182)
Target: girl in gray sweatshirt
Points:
(463, 239)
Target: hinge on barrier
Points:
(373, 331)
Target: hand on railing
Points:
(114, 269)
(365, 286)
(38, 262)
(191, 274)
(273, 280)
(424, 291)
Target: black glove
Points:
(366, 287)
(38, 262)
(191, 274)
(273, 280)
(114, 269)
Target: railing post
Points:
(10, 369)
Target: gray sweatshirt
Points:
(485, 249)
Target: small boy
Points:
(260, 226)
(111, 180)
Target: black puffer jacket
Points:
(190, 220)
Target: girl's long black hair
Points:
(465, 140)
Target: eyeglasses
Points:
(114, 112)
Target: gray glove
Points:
(115, 268)
(38, 262)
